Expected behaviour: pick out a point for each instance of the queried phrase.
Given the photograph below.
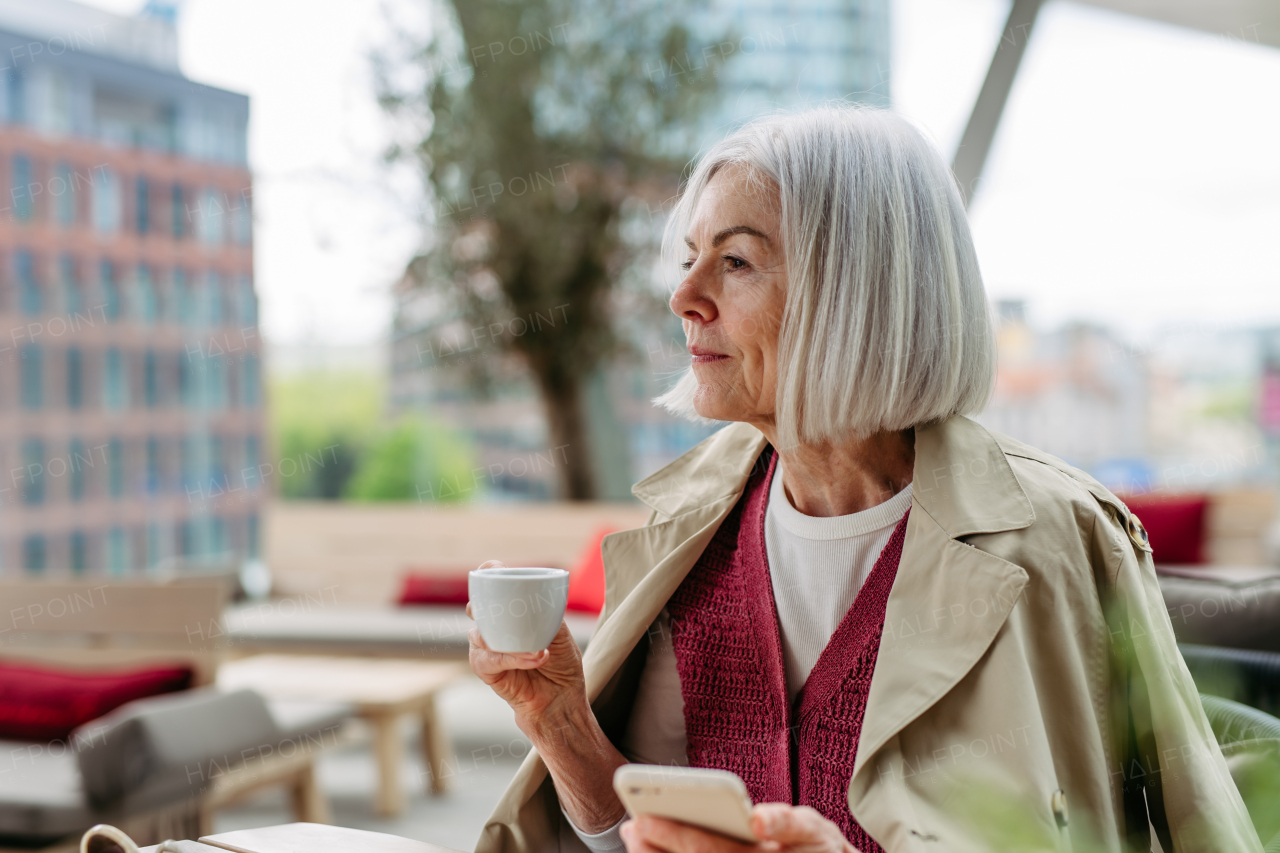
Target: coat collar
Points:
(961, 477)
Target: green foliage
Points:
(410, 461)
(320, 424)
(330, 442)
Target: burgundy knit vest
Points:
(729, 655)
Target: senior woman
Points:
(881, 616)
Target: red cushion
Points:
(42, 703)
(1175, 526)
(434, 588)
(586, 578)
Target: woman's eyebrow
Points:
(727, 233)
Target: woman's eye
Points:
(686, 266)
(735, 263)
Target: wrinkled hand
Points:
(543, 688)
(793, 829)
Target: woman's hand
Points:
(793, 829)
(544, 688)
(548, 693)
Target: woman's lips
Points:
(704, 356)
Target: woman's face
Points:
(732, 296)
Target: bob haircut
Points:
(886, 324)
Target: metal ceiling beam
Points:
(975, 145)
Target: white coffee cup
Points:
(518, 609)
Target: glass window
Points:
(148, 300)
(154, 545)
(250, 391)
(33, 553)
(150, 379)
(213, 299)
(178, 203)
(217, 462)
(20, 189)
(241, 220)
(78, 460)
(112, 308)
(72, 297)
(252, 459)
(79, 556)
(117, 551)
(209, 217)
(248, 308)
(153, 465)
(115, 468)
(62, 188)
(184, 299)
(106, 200)
(115, 395)
(215, 382)
(28, 283)
(142, 205)
(75, 378)
(33, 462)
(32, 376)
(17, 96)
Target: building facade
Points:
(131, 415)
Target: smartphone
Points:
(714, 800)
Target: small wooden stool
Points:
(383, 690)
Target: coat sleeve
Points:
(1171, 768)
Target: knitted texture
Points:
(728, 650)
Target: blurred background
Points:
(326, 302)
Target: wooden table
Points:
(302, 838)
(382, 690)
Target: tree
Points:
(537, 124)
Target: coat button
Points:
(1058, 802)
(1138, 533)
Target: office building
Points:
(130, 391)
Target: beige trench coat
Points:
(1026, 659)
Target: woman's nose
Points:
(690, 302)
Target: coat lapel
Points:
(949, 599)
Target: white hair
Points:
(886, 324)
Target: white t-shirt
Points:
(816, 566)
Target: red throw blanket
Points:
(729, 656)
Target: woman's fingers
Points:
(796, 826)
(673, 837)
(485, 662)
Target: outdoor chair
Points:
(1250, 742)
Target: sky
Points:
(1134, 181)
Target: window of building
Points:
(78, 550)
(215, 382)
(15, 95)
(72, 297)
(155, 546)
(115, 391)
(148, 299)
(117, 551)
(153, 465)
(142, 204)
(115, 468)
(62, 188)
(78, 459)
(107, 203)
(20, 189)
(252, 459)
(29, 296)
(187, 381)
(188, 462)
(32, 358)
(217, 463)
(213, 299)
(250, 391)
(210, 217)
(184, 299)
(75, 378)
(150, 379)
(248, 301)
(178, 204)
(112, 304)
(241, 219)
(33, 463)
(251, 534)
(34, 552)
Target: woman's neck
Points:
(841, 479)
